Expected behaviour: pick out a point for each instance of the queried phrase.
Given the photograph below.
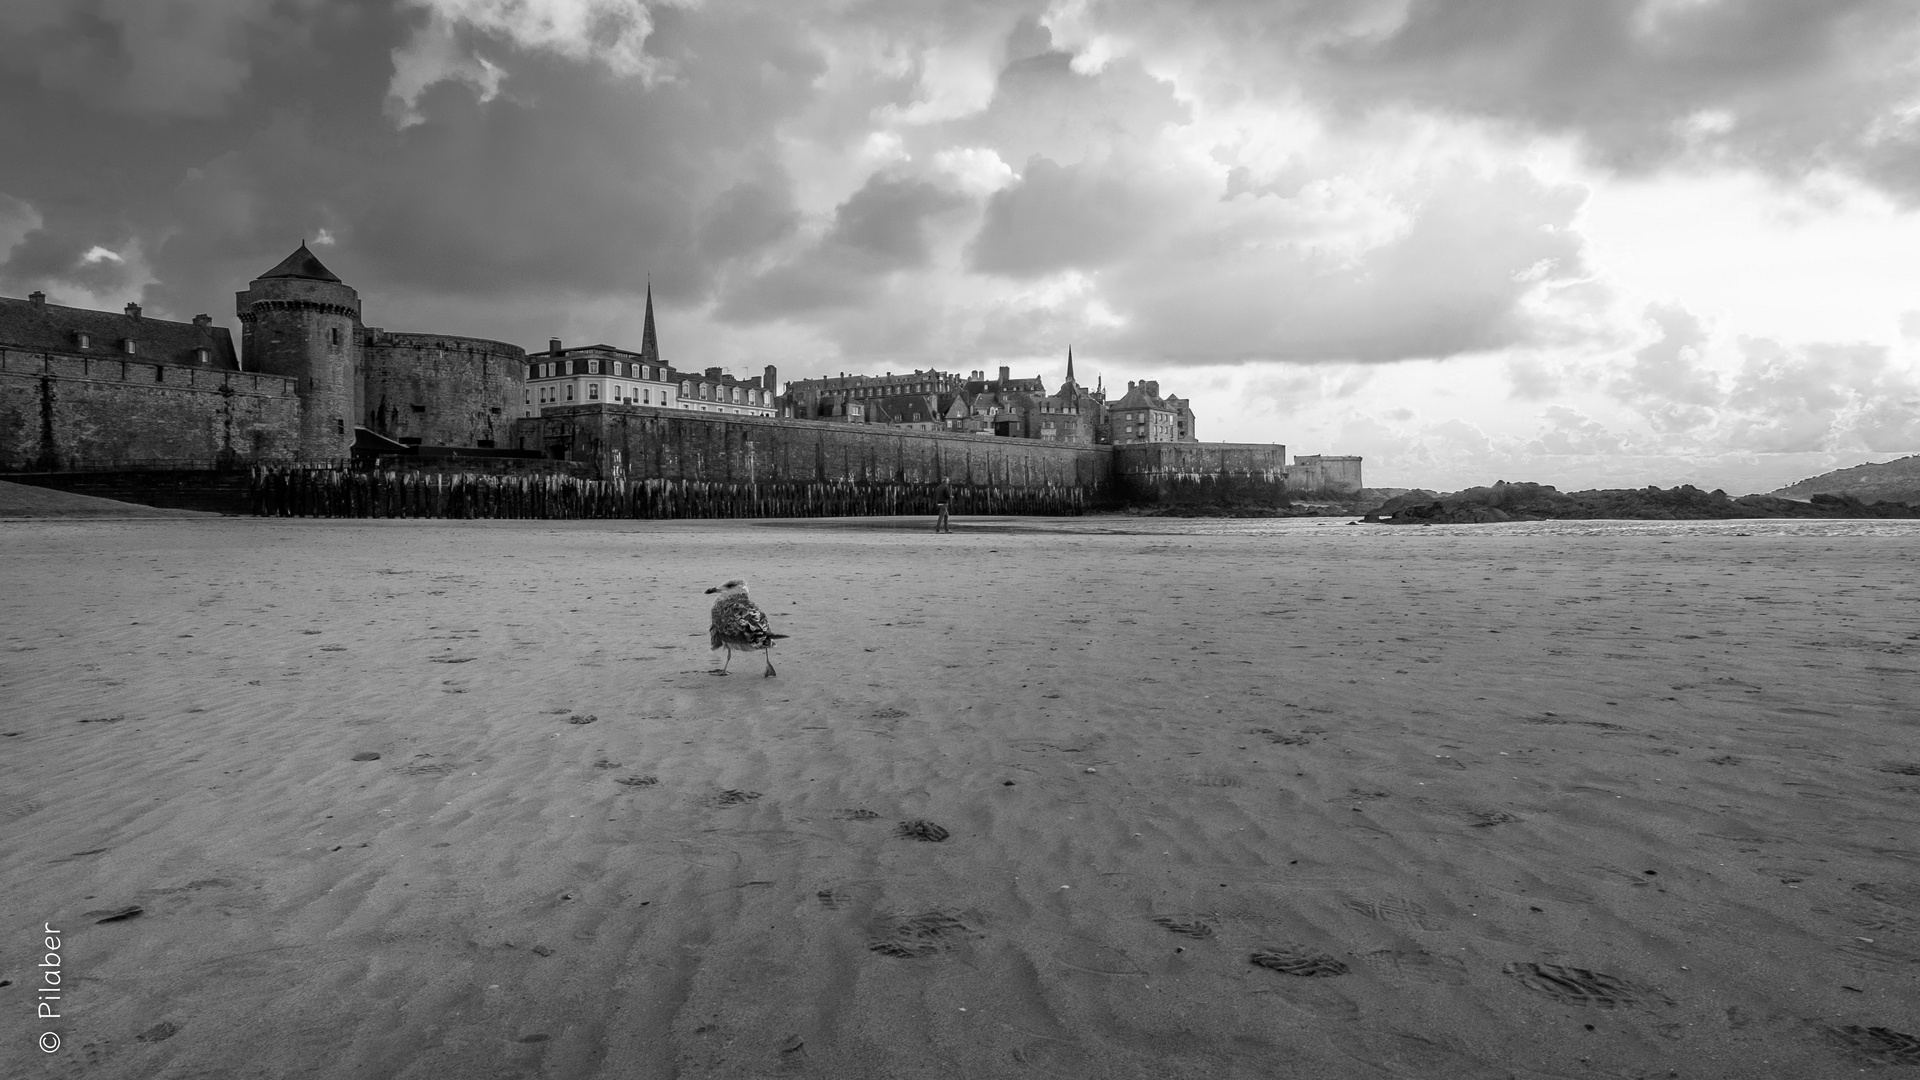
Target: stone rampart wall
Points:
(643, 443)
(71, 411)
(1201, 474)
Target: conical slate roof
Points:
(302, 264)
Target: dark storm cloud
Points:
(883, 228)
(1059, 217)
(1783, 85)
(573, 180)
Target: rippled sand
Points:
(1304, 800)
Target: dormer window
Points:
(129, 346)
(202, 355)
(593, 367)
(86, 339)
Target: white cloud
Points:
(612, 33)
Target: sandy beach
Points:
(1308, 800)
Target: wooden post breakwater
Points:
(293, 491)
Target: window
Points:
(568, 369)
(529, 397)
(646, 397)
(686, 387)
(569, 390)
(128, 344)
(159, 373)
(593, 367)
(593, 391)
(333, 336)
(419, 408)
(202, 355)
(86, 340)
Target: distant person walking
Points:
(943, 500)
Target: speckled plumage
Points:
(739, 624)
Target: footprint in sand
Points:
(366, 755)
(834, 899)
(1395, 911)
(637, 781)
(1210, 780)
(113, 915)
(1881, 1046)
(1420, 965)
(441, 768)
(159, 1032)
(909, 937)
(1902, 768)
(1900, 896)
(856, 815)
(925, 831)
(1295, 959)
(1578, 986)
(1193, 926)
(603, 763)
(579, 719)
(732, 797)
(1487, 819)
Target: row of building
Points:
(1005, 406)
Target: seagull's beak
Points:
(715, 589)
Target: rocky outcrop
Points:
(1540, 502)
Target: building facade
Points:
(601, 374)
(1142, 416)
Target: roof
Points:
(302, 264)
(56, 328)
(1142, 395)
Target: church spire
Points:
(649, 344)
(1069, 365)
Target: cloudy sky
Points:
(1583, 242)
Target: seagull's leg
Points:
(769, 673)
(723, 667)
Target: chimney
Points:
(772, 382)
(203, 321)
(38, 298)
(713, 373)
(553, 345)
(1003, 373)
(133, 310)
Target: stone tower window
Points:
(334, 335)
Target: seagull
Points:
(738, 624)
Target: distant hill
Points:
(1893, 481)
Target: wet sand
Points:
(1483, 803)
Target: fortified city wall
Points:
(670, 444)
(441, 389)
(61, 411)
(1226, 474)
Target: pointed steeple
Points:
(649, 344)
(1070, 365)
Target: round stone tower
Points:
(298, 320)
